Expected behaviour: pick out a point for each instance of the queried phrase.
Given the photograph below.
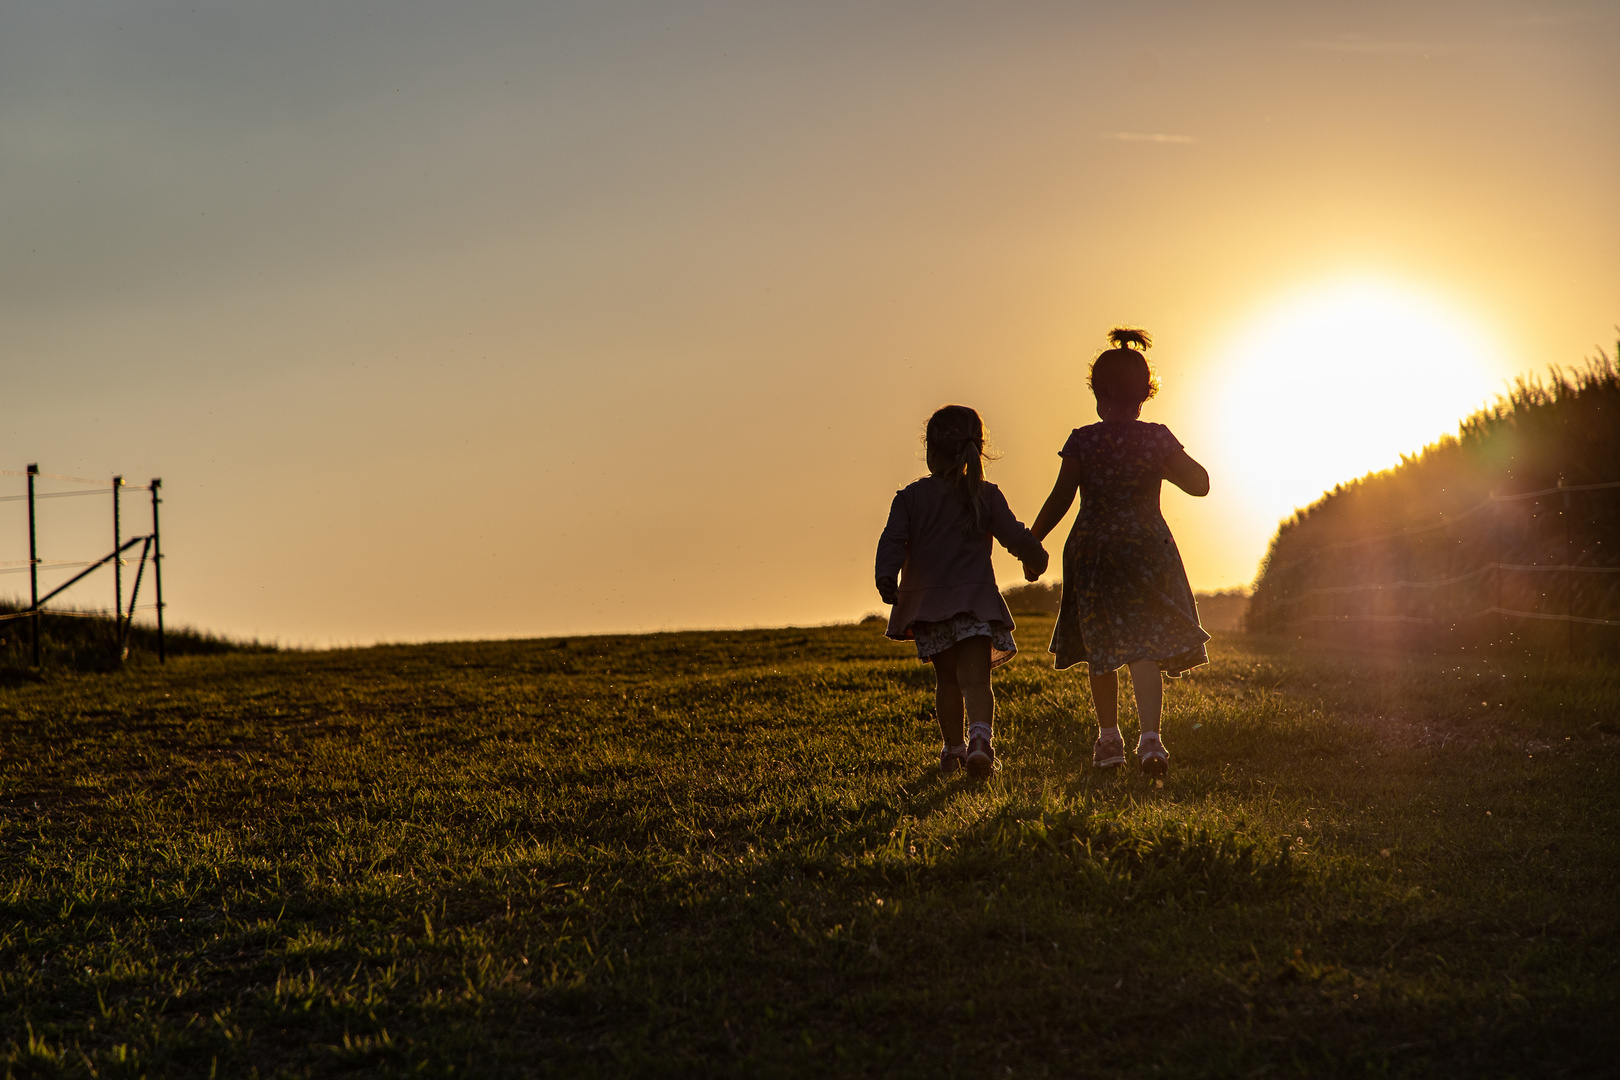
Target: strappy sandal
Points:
(1109, 753)
(1155, 758)
(951, 759)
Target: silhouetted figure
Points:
(933, 565)
(1126, 601)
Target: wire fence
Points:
(123, 609)
(1550, 556)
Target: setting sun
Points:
(1339, 381)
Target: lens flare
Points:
(1340, 381)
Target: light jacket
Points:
(943, 573)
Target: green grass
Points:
(728, 854)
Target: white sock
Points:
(1110, 732)
(979, 730)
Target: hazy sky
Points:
(496, 319)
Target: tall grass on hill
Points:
(1365, 560)
(88, 641)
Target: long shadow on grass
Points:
(847, 932)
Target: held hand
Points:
(889, 590)
(1034, 568)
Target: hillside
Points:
(1467, 543)
(88, 641)
(730, 854)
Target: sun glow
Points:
(1340, 381)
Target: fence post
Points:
(157, 566)
(33, 567)
(118, 576)
(1569, 575)
(1496, 570)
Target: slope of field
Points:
(1453, 539)
(85, 641)
(729, 854)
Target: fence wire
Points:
(1558, 540)
(1445, 522)
(122, 613)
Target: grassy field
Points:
(729, 854)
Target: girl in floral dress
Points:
(933, 565)
(1126, 601)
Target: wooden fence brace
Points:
(33, 567)
(134, 595)
(86, 572)
(157, 566)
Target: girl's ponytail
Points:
(956, 436)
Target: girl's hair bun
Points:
(1123, 372)
(1122, 336)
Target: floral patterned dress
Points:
(1125, 592)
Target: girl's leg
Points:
(948, 697)
(1149, 694)
(1110, 748)
(1149, 704)
(973, 676)
(1105, 696)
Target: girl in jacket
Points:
(933, 566)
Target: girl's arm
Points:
(891, 549)
(1062, 497)
(1181, 470)
(1005, 526)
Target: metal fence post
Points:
(33, 567)
(1569, 575)
(1496, 571)
(157, 566)
(118, 575)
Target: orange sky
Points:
(490, 320)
